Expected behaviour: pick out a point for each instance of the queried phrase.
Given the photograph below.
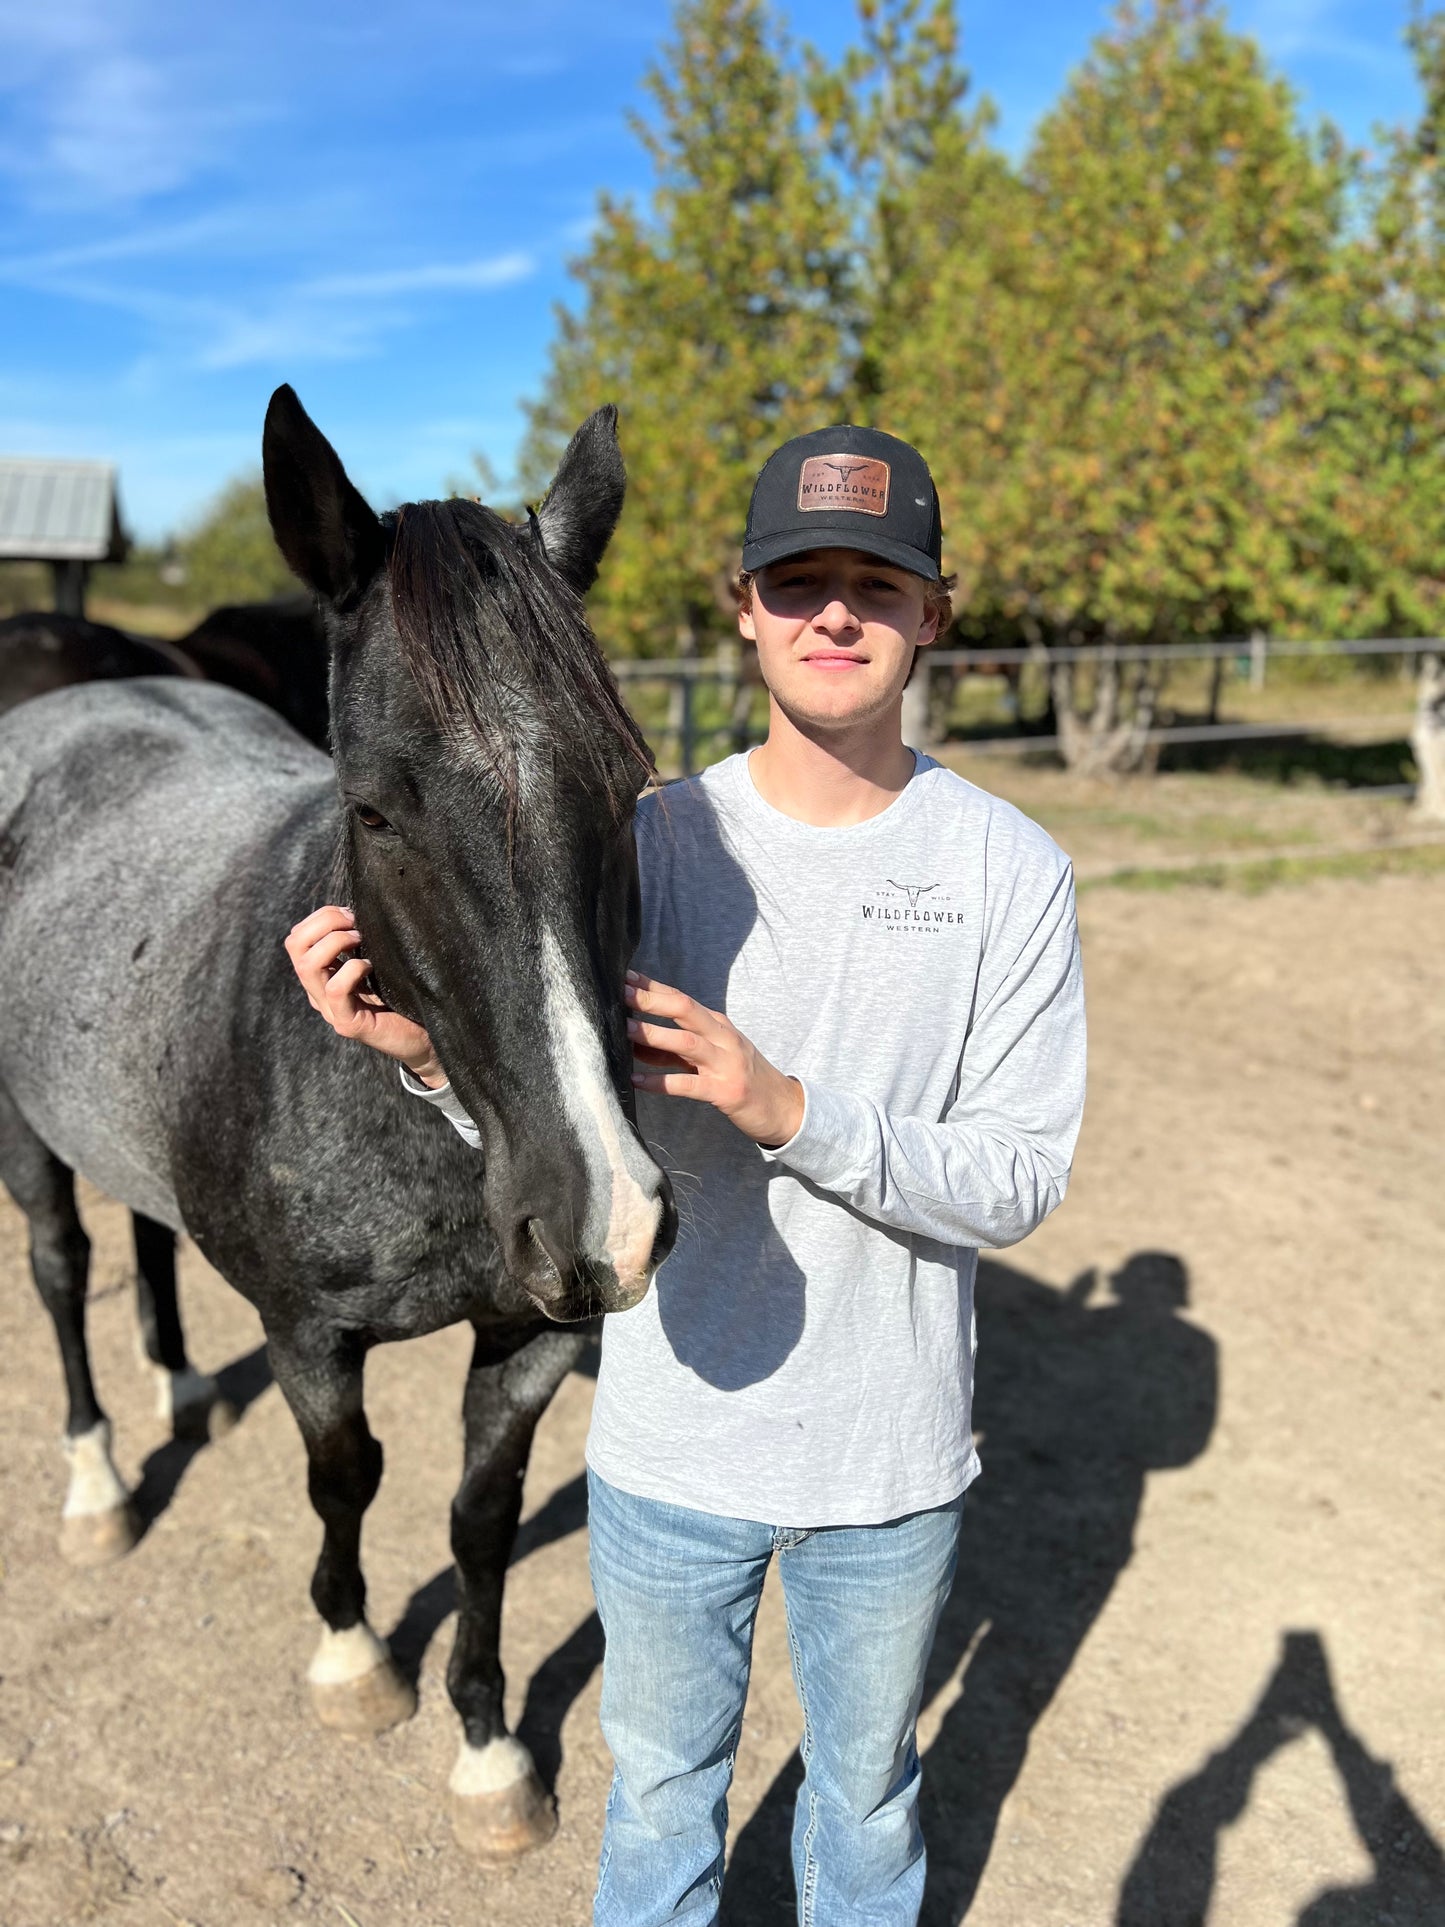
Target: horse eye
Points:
(371, 819)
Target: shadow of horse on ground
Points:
(240, 1384)
(1079, 1396)
(1171, 1882)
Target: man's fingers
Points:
(331, 916)
(315, 966)
(659, 1060)
(662, 1037)
(669, 1083)
(661, 1000)
(337, 949)
(342, 992)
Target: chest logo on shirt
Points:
(913, 909)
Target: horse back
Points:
(150, 832)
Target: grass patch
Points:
(1267, 873)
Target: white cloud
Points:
(111, 102)
(1287, 29)
(337, 317)
(496, 271)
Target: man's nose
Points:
(836, 617)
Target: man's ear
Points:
(747, 627)
(575, 522)
(321, 522)
(928, 633)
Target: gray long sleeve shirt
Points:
(805, 1356)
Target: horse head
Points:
(488, 772)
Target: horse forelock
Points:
(500, 649)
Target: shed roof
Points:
(58, 511)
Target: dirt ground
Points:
(1192, 1670)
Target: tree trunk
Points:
(1104, 743)
(1427, 740)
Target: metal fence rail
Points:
(682, 735)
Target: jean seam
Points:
(810, 1868)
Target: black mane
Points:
(493, 635)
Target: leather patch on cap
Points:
(844, 482)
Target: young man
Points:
(858, 1021)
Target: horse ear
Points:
(321, 522)
(575, 522)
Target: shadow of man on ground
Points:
(1171, 1882)
(1079, 1396)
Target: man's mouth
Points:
(834, 659)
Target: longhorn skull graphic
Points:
(914, 891)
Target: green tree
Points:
(230, 555)
(1371, 374)
(1105, 369)
(716, 318)
(909, 161)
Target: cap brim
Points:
(839, 535)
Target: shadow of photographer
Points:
(1079, 1396)
(1171, 1882)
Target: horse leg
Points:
(500, 1808)
(355, 1687)
(97, 1524)
(190, 1401)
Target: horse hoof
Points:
(500, 1809)
(355, 1686)
(98, 1538)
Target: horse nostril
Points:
(537, 1234)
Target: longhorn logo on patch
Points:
(854, 482)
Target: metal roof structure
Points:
(59, 511)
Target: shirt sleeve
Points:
(998, 1162)
(445, 1100)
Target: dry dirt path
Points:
(1193, 1668)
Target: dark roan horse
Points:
(157, 840)
(277, 652)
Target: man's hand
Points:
(324, 951)
(707, 1058)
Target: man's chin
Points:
(840, 709)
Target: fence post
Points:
(1256, 660)
(1216, 685)
(687, 740)
(1427, 740)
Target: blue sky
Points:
(378, 203)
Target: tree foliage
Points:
(716, 319)
(230, 555)
(1105, 372)
(1178, 372)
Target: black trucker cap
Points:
(846, 488)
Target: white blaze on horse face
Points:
(624, 1202)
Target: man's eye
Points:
(369, 818)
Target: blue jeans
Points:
(678, 1593)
